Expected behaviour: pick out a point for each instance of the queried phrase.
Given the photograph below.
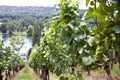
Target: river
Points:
(27, 45)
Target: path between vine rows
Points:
(14, 77)
(93, 76)
(20, 72)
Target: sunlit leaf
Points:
(87, 60)
(90, 40)
(79, 76)
(87, 2)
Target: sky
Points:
(44, 3)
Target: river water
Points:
(27, 45)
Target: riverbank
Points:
(15, 33)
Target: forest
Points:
(68, 44)
(22, 18)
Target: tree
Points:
(36, 34)
(29, 30)
(3, 28)
(4, 20)
(17, 42)
(11, 26)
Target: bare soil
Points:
(95, 76)
(13, 76)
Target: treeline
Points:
(26, 10)
(16, 12)
(25, 24)
(16, 16)
(22, 19)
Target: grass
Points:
(94, 73)
(100, 71)
(27, 74)
(115, 70)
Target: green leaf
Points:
(70, 48)
(80, 47)
(58, 72)
(89, 12)
(80, 36)
(63, 78)
(79, 76)
(116, 28)
(76, 30)
(71, 26)
(112, 54)
(87, 2)
(80, 50)
(87, 60)
(90, 40)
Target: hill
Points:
(13, 12)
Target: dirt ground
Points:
(12, 77)
(94, 76)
